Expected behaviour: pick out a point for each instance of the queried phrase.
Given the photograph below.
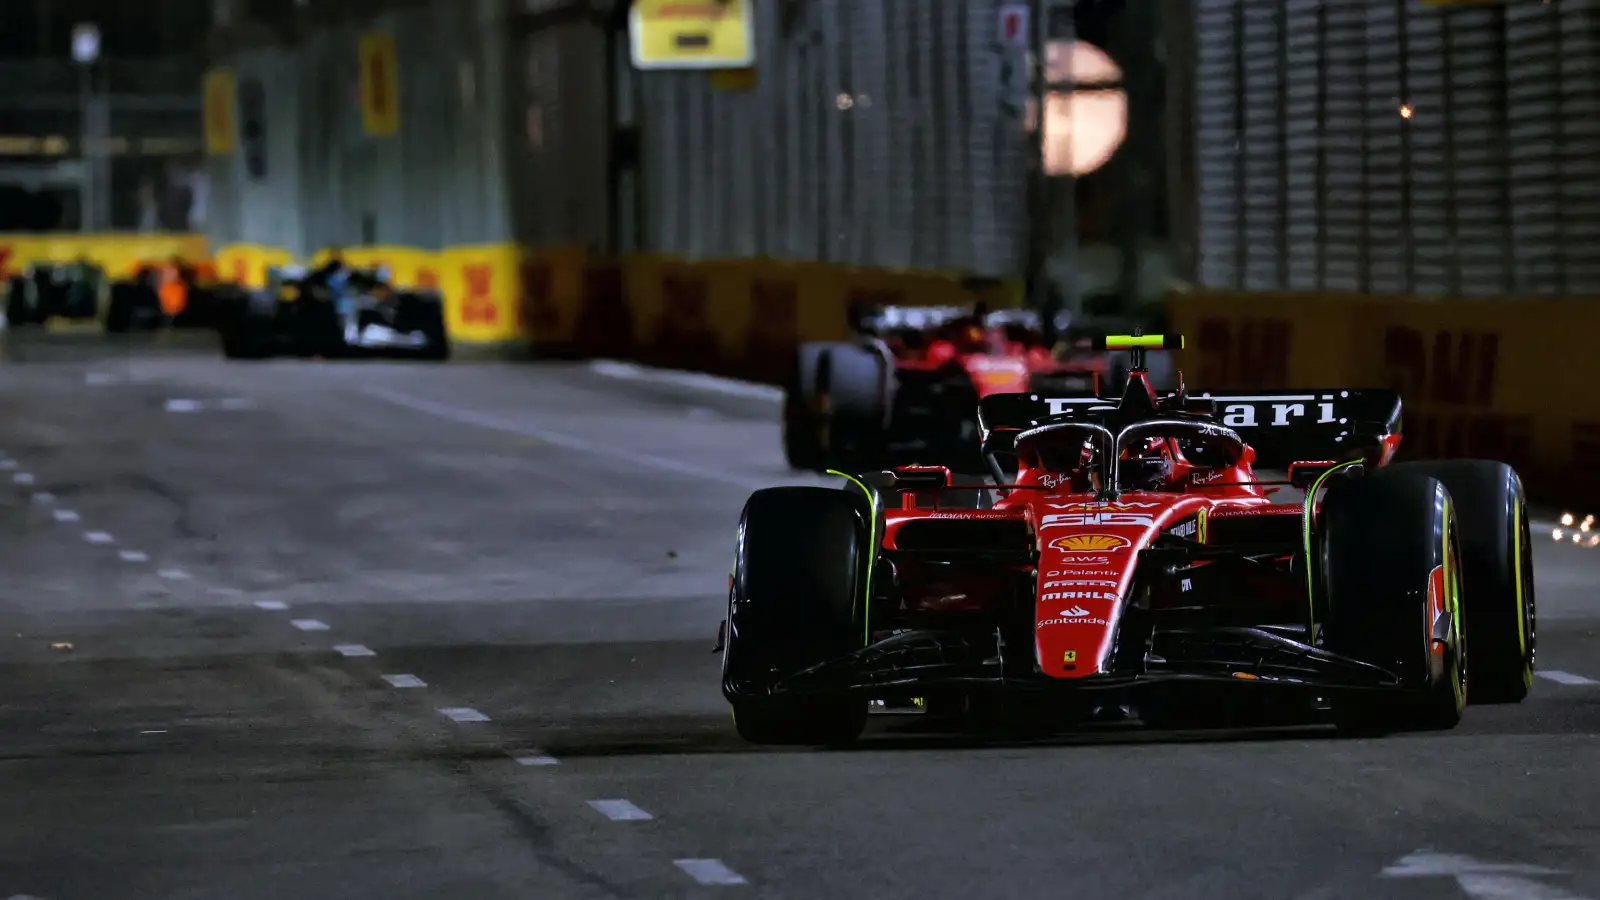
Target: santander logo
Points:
(1075, 612)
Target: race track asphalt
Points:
(381, 630)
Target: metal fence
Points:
(1388, 147)
(306, 175)
(875, 136)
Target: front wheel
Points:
(1391, 579)
(797, 599)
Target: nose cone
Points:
(1081, 581)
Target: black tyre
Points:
(316, 330)
(798, 586)
(18, 312)
(1390, 574)
(245, 333)
(855, 393)
(802, 428)
(415, 313)
(430, 321)
(1497, 573)
(121, 309)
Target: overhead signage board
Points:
(692, 34)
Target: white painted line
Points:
(463, 714)
(22, 478)
(309, 624)
(405, 681)
(271, 605)
(134, 556)
(44, 498)
(354, 650)
(65, 515)
(99, 379)
(1566, 677)
(497, 423)
(535, 758)
(236, 403)
(709, 871)
(184, 406)
(620, 811)
(174, 574)
(626, 371)
(99, 537)
(8, 464)
(1482, 880)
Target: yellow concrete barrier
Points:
(118, 254)
(1511, 379)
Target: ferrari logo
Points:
(1070, 656)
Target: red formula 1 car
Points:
(907, 389)
(1132, 564)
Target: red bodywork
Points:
(997, 358)
(1088, 549)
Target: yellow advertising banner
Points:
(380, 85)
(217, 90)
(692, 34)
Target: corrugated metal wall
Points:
(875, 137)
(1383, 146)
(560, 134)
(438, 181)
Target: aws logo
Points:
(1090, 543)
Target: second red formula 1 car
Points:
(907, 388)
(1134, 565)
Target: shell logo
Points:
(1090, 543)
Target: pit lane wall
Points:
(1510, 379)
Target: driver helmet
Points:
(1149, 469)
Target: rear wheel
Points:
(1497, 573)
(795, 601)
(1391, 577)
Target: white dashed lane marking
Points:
(271, 605)
(98, 537)
(1566, 678)
(535, 758)
(44, 498)
(353, 650)
(173, 574)
(134, 556)
(405, 681)
(709, 871)
(309, 624)
(65, 515)
(462, 714)
(22, 478)
(620, 811)
(8, 464)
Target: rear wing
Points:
(1282, 426)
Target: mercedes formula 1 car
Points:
(332, 312)
(1132, 565)
(907, 388)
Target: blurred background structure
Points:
(108, 140)
(889, 134)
